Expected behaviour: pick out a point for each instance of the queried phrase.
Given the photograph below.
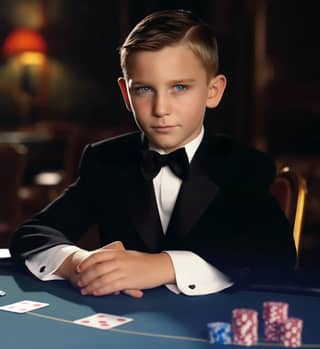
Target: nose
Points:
(161, 105)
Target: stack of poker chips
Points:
(278, 327)
(274, 313)
(290, 332)
(219, 333)
(245, 326)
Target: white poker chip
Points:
(2, 293)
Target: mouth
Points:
(163, 128)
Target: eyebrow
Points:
(172, 82)
(182, 81)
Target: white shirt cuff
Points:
(194, 276)
(44, 264)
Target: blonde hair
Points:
(170, 28)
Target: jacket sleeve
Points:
(61, 222)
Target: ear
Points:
(217, 86)
(124, 91)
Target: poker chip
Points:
(245, 326)
(219, 332)
(278, 327)
(274, 311)
(2, 293)
(274, 314)
(291, 332)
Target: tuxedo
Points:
(224, 211)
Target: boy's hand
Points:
(68, 269)
(118, 245)
(107, 271)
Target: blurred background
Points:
(59, 65)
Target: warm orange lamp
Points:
(24, 40)
(27, 48)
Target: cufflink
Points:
(192, 286)
(42, 269)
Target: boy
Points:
(194, 219)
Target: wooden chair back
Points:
(290, 189)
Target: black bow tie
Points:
(153, 161)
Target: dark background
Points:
(280, 113)
(269, 51)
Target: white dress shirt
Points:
(194, 276)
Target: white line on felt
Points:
(50, 317)
(125, 331)
(192, 339)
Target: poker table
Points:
(161, 319)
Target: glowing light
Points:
(32, 58)
(24, 40)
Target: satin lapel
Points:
(196, 194)
(143, 211)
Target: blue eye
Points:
(180, 87)
(142, 89)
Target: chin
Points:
(164, 143)
(168, 148)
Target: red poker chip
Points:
(291, 332)
(245, 326)
(274, 313)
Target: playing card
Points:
(103, 321)
(23, 306)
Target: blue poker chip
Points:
(2, 293)
(219, 332)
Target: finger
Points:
(116, 245)
(95, 272)
(95, 258)
(111, 283)
(74, 280)
(133, 293)
(107, 284)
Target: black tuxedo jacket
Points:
(224, 211)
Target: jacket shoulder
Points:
(109, 151)
(120, 142)
(244, 162)
(114, 147)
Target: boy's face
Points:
(168, 91)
